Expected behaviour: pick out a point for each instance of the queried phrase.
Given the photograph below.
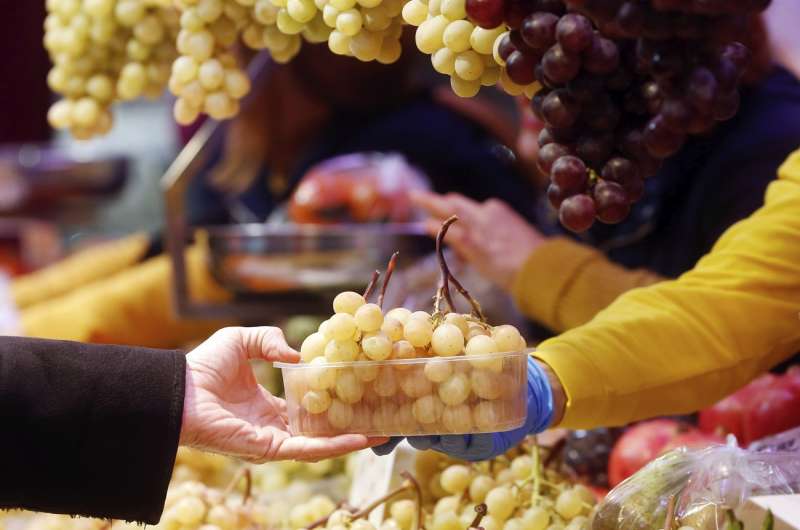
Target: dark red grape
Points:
(577, 213)
(506, 47)
(700, 123)
(569, 174)
(574, 32)
(701, 88)
(486, 13)
(726, 106)
(602, 56)
(677, 114)
(585, 87)
(516, 11)
(556, 196)
(520, 44)
(521, 67)
(559, 66)
(737, 53)
(539, 30)
(625, 173)
(596, 149)
(611, 201)
(630, 18)
(545, 137)
(727, 74)
(549, 154)
(536, 103)
(560, 110)
(660, 140)
(602, 114)
(632, 143)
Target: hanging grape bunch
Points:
(624, 84)
(105, 51)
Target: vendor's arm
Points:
(680, 345)
(564, 284)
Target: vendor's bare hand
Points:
(227, 411)
(489, 235)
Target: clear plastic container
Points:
(435, 395)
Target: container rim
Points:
(394, 362)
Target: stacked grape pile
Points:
(619, 100)
(516, 490)
(102, 51)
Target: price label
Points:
(375, 476)
(372, 479)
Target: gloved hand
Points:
(472, 447)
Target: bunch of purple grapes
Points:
(624, 83)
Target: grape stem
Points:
(447, 277)
(480, 513)
(371, 285)
(409, 484)
(444, 287)
(389, 270)
(669, 520)
(242, 473)
(537, 471)
(417, 499)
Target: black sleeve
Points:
(88, 429)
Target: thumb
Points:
(267, 343)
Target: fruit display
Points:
(768, 405)
(402, 372)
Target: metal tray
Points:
(286, 258)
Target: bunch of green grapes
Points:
(505, 485)
(368, 30)
(437, 395)
(206, 77)
(105, 51)
(457, 47)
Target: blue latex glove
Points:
(484, 446)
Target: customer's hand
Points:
(490, 235)
(226, 411)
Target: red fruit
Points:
(776, 410)
(693, 440)
(486, 13)
(725, 417)
(639, 445)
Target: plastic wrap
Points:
(359, 187)
(705, 484)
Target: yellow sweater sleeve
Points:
(680, 345)
(564, 284)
